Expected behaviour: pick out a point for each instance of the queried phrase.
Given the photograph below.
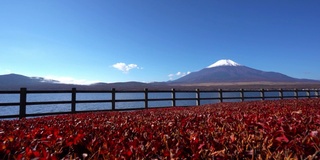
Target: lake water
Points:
(14, 110)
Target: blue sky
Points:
(81, 41)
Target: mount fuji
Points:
(226, 70)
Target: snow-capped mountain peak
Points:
(224, 62)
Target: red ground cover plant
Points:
(281, 129)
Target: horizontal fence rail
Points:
(217, 95)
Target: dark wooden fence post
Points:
(242, 94)
(296, 93)
(262, 94)
(198, 97)
(73, 100)
(146, 98)
(113, 97)
(173, 94)
(220, 95)
(281, 93)
(23, 103)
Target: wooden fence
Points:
(219, 96)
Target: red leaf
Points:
(29, 152)
(56, 132)
(282, 138)
(36, 153)
(166, 153)
(129, 153)
(314, 133)
(201, 145)
(232, 138)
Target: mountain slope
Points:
(230, 71)
(16, 81)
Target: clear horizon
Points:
(117, 41)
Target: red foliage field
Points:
(279, 129)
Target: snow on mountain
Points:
(45, 80)
(224, 62)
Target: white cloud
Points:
(125, 67)
(7, 71)
(70, 80)
(178, 75)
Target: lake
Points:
(14, 110)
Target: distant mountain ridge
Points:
(230, 71)
(16, 81)
(223, 73)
